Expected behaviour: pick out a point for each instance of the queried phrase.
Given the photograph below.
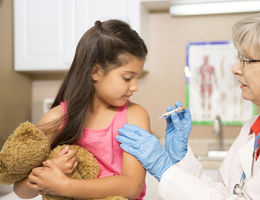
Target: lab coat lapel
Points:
(245, 155)
(257, 165)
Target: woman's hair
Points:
(105, 44)
(246, 33)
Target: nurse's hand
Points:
(146, 148)
(178, 130)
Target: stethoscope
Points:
(238, 188)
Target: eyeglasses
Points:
(245, 60)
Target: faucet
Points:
(217, 130)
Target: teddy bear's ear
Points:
(24, 150)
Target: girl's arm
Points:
(65, 158)
(129, 184)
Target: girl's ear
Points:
(97, 72)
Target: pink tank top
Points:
(104, 146)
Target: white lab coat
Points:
(187, 181)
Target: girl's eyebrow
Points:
(131, 72)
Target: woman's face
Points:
(249, 77)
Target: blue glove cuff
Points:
(161, 165)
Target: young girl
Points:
(91, 105)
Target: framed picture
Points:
(211, 88)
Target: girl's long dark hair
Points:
(102, 44)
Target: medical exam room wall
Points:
(165, 82)
(15, 88)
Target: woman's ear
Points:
(97, 72)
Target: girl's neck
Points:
(100, 115)
(100, 106)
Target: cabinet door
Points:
(44, 34)
(89, 11)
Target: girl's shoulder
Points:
(52, 115)
(51, 120)
(134, 108)
(137, 115)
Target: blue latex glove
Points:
(178, 130)
(146, 148)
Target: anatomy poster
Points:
(212, 89)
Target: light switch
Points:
(47, 104)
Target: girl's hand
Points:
(48, 179)
(66, 160)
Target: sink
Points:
(212, 160)
(213, 155)
(217, 154)
(208, 152)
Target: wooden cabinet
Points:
(46, 32)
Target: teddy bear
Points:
(28, 147)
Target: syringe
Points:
(164, 115)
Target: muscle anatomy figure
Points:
(207, 78)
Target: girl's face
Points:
(249, 77)
(117, 85)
